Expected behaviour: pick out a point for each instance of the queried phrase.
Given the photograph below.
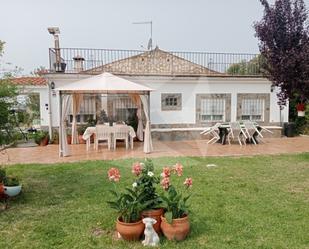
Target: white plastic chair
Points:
(236, 131)
(251, 129)
(214, 131)
(103, 133)
(121, 132)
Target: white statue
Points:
(151, 237)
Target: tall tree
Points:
(284, 43)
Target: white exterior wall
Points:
(188, 87)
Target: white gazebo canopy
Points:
(72, 94)
(104, 83)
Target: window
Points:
(212, 109)
(87, 110)
(171, 101)
(252, 109)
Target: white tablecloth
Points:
(91, 130)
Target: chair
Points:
(214, 131)
(236, 131)
(251, 129)
(121, 132)
(103, 133)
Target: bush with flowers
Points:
(175, 203)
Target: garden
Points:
(249, 202)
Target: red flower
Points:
(300, 107)
(188, 182)
(113, 174)
(178, 169)
(137, 169)
(165, 183)
(166, 172)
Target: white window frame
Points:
(213, 112)
(251, 113)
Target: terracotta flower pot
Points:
(69, 139)
(44, 141)
(178, 230)
(130, 231)
(1, 188)
(155, 214)
(81, 140)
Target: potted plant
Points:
(2, 178)
(129, 207)
(300, 107)
(146, 181)
(69, 136)
(12, 186)
(55, 139)
(175, 223)
(41, 138)
(81, 129)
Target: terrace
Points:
(117, 61)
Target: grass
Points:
(250, 202)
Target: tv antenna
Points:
(149, 46)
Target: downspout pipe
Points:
(50, 116)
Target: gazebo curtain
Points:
(76, 102)
(65, 109)
(137, 101)
(147, 139)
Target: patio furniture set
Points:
(111, 134)
(244, 132)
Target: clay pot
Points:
(178, 230)
(130, 231)
(155, 214)
(1, 188)
(44, 141)
(81, 140)
(69, 139)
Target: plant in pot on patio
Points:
(175, 223)
(146, 181)
(129, 206)
(300, 107)
(80, 130)
(41, 138)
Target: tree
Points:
(252, 67)
(284, 43)
(8, 92)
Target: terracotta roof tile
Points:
(33, 81)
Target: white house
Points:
(189, 93)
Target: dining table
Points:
(91, 130)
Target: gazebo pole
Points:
(60, 126)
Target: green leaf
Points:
(169, 217)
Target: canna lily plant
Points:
(174, 202)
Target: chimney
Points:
(58, 64)
(78, 63)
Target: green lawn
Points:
(249, 202)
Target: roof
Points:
(154, 62)
(103, 83)
(32, 81)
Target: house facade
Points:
(190, 91)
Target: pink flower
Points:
(113, 174)
(165, 183)
(137, 169)
(188, 182)
(166, 172)
(178, 169)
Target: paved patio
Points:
(49, 154)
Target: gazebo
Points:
(71, 96)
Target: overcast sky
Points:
(178, 25)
